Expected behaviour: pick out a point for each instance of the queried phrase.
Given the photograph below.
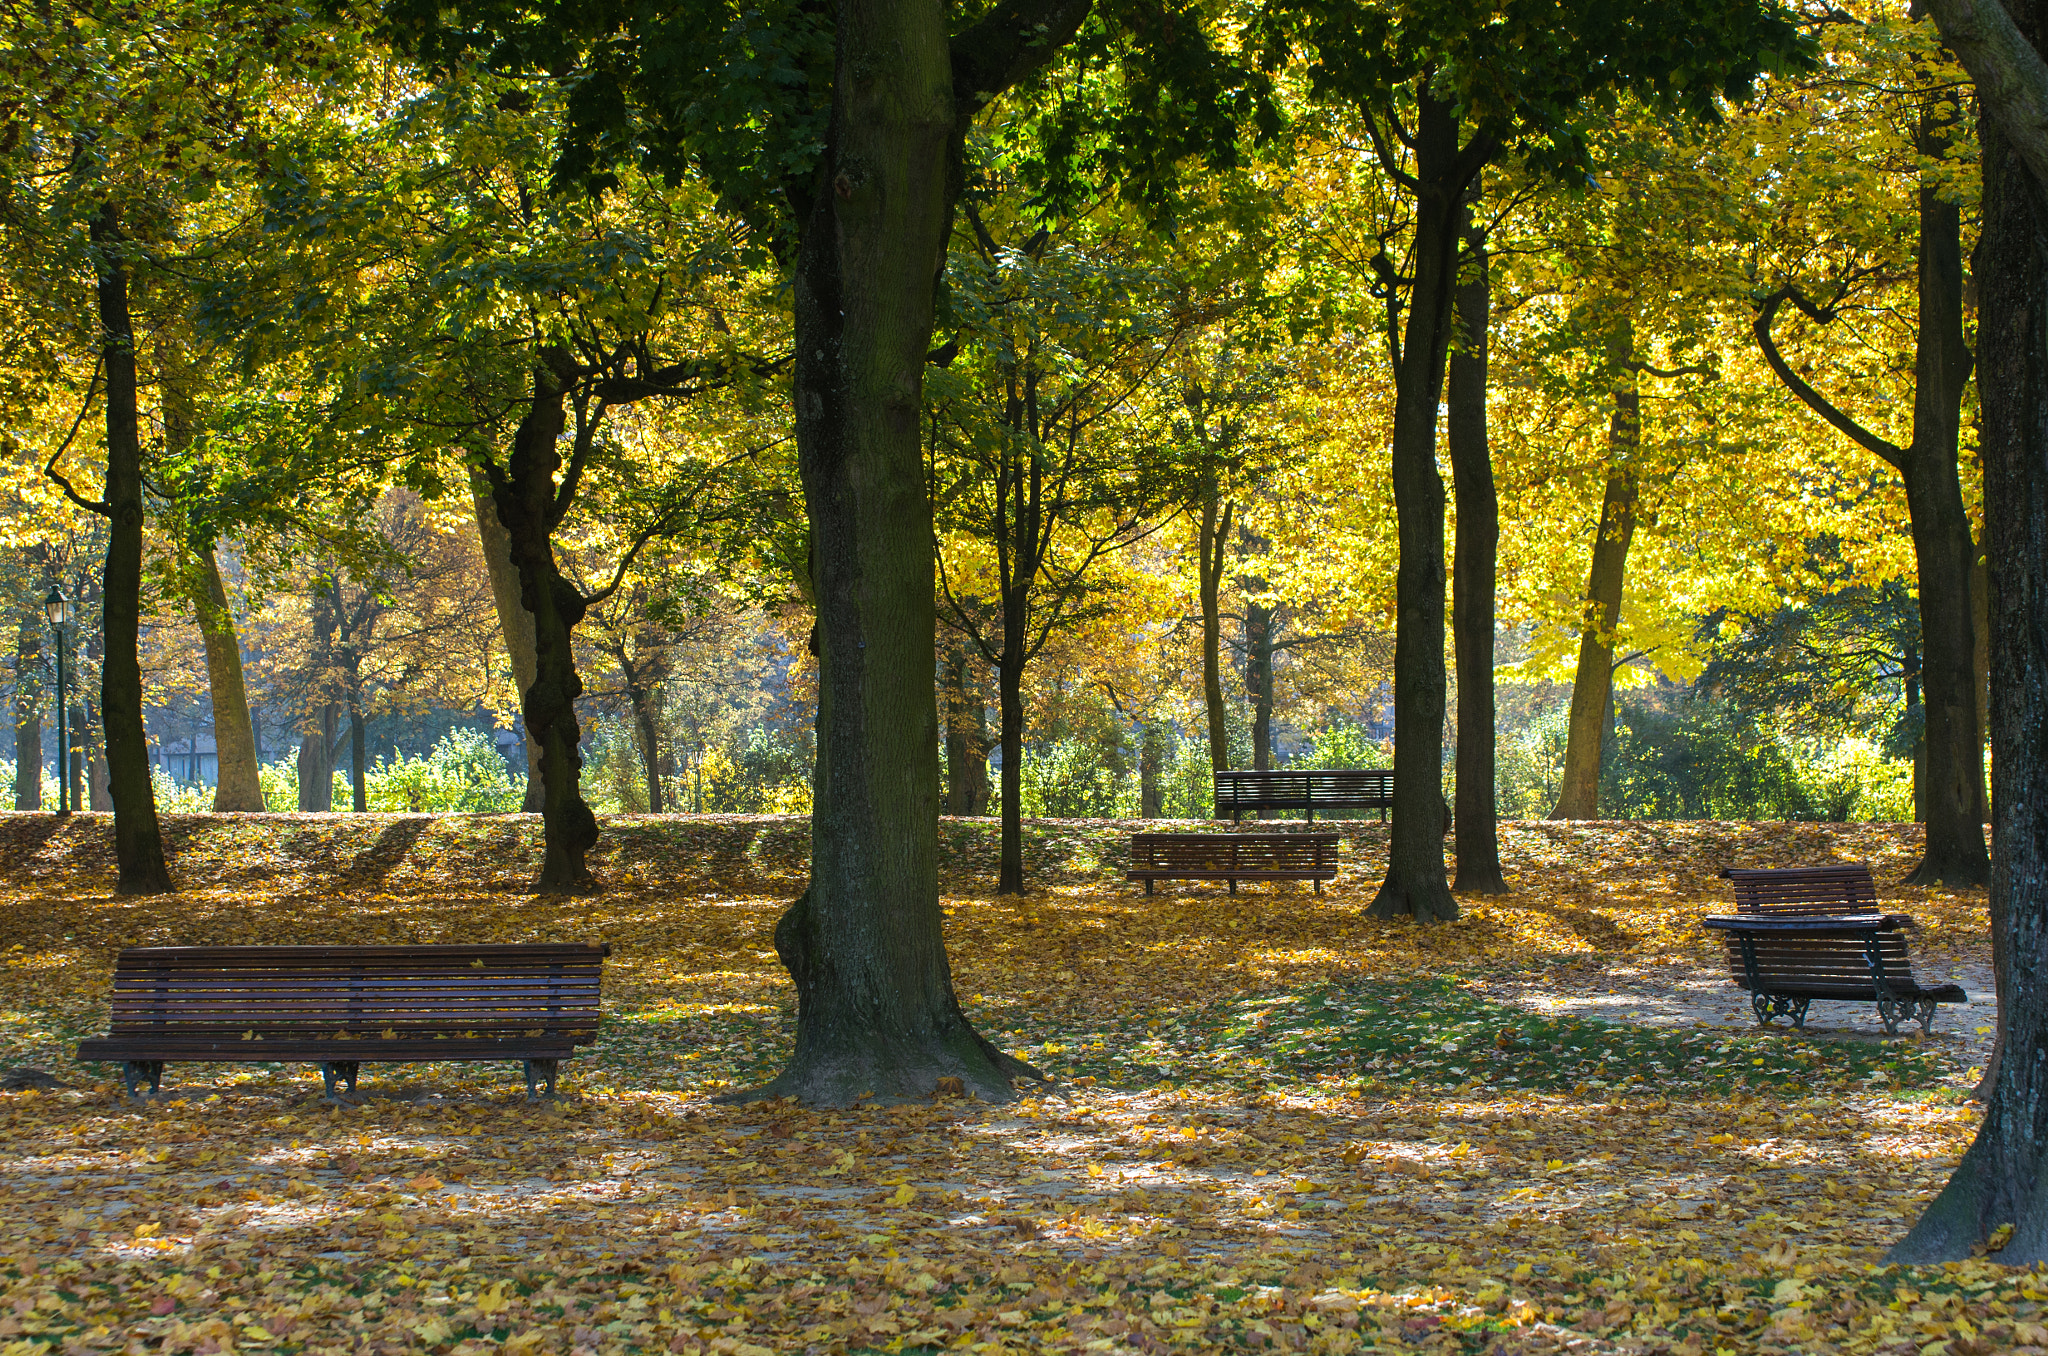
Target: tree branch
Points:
(2010, 76)
(99, 506)
(1798, 385)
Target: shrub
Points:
(462, 774)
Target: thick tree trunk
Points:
(1215, 532)
(514, 621)
(90, 784)
(1980, 630)
(1472, 578)
(1943, 552)
(2003, 1178)
(876, 1011)
(1151, 759)
(526, 497)
(1593, 684)
(1414, 883)
(28, 715)
(238, 783)
(138, 841)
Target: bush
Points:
(463, 774)
(1077, 779)
(174, 797)
(1853, 780)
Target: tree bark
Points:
(1215, 532)
(514, 621)
(1414, 883)
(1472, 576)
(1943, 552)
(238, 783)
(28, 715)
(358, 760)
(1980, 660)
(966, 738)
(316, 762)
(876, 1011)
(645, 727)
(1259, 621)
(2003, 1177)
(138, 841)
(1151, 759)
(1944, 555)
(1010, 730)
(530, 506)
(1593, 684)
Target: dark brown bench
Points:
(1233, 857)
(1807, 933)
(345, 1006)
(1303, 789)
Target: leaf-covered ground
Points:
(1277, 1124)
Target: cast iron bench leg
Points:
(540, 1071)
(338, 1071)
(135, 1070)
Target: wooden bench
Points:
(1807, 933)
(345, 1006)
(1233, 857)
(1304, 789)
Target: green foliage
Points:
(280, 783)
(463, 774)
(1343, 746)
(174, 797)
(1076, 779)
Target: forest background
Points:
(1157, 445)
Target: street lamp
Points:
(58, 609)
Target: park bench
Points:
(344, 1006)
(1807, 933)
(1233, 857)
(1304, 789)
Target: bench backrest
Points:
(1799, 961)
(1234, 851)
(279, 992)
(1804, 889)
(1339, 788)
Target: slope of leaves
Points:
(1275, 1125)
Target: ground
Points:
(1276, 1123)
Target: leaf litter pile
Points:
(1275, 1124)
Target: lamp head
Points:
(57, 607)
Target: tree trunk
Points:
(1010, 729)
(1151, 758)
(28, 715)
(238, 783)
(515, 623)
(2003, 1178)
(1472, 577)
(1980, 632)
(966, 738)
(1593, 683)
(1943, 552)
(1259, 621)
(358, 753)
(876, 1011)
(1414, 883)
(316, 762)
(1215, 532)
(526, 497)
(138, 841)
(646, 729)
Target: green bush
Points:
(174, 797)
(1076, 779)
(462, 774)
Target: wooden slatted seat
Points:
(1233, 857)
(1308, 789)
(1807, 933)
(344, 1006)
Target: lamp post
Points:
(58, 609)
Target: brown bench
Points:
(1238, 790)
(1233, 857)
(344, 1006)
(1807, 933)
